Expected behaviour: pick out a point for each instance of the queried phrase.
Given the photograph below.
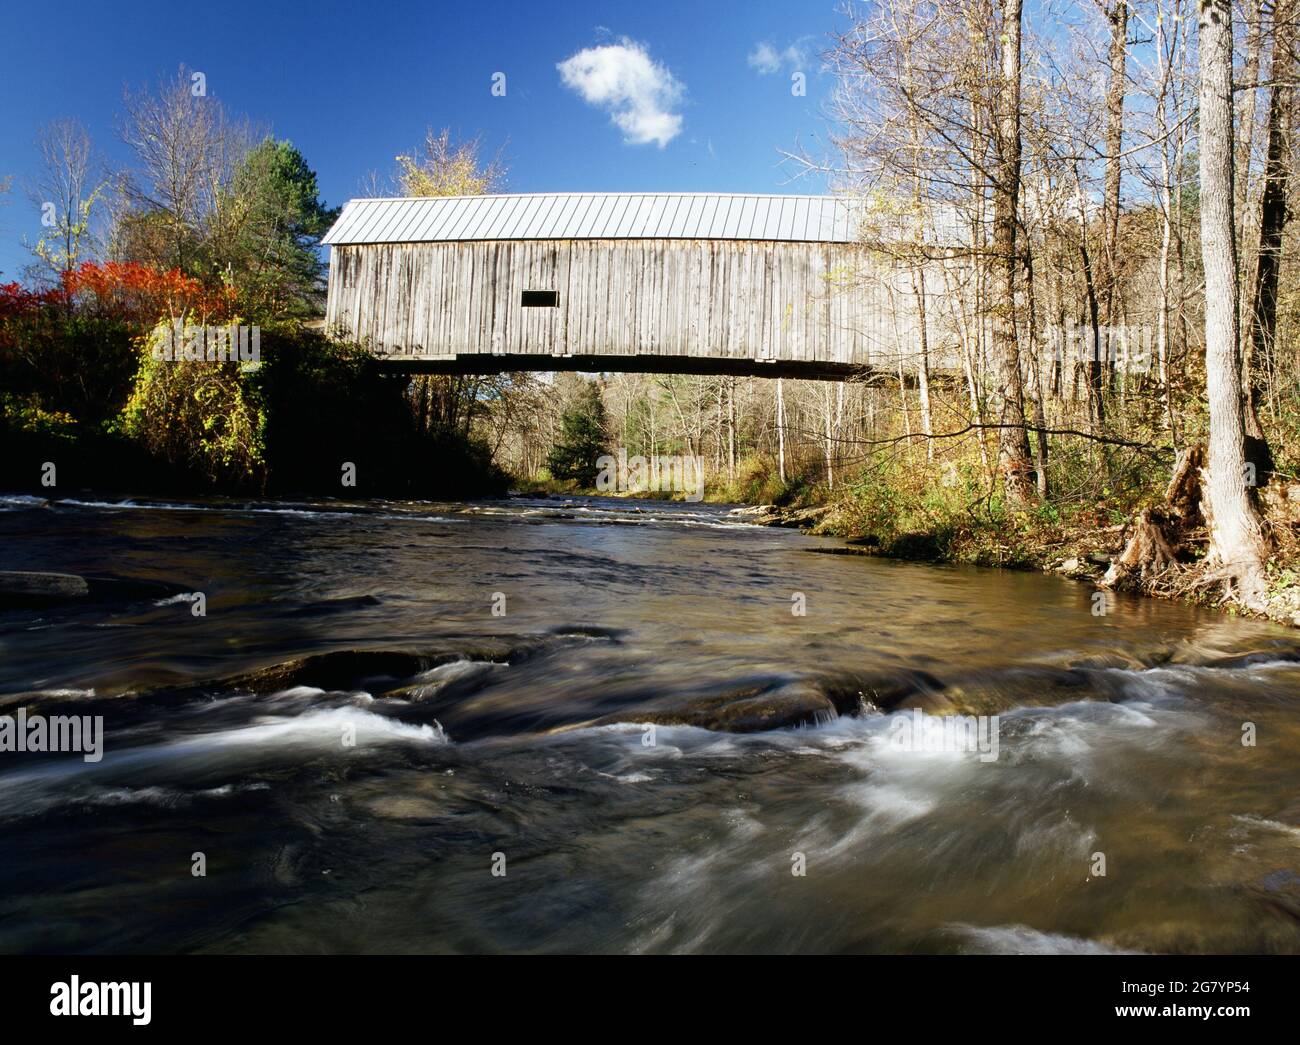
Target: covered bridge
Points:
(650, 282)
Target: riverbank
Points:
(1104, 556)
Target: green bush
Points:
(204, 419)
(758, 481)
(24, 415)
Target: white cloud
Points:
(638, 93)
(767, 59)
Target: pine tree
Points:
(583, 438)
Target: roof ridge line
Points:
(619, 192)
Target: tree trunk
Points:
(1035, 378)
(1013, 437)
(1273, 212)
(731, 429)
(923, 364)
(780, 429)
(839, 416)
(1166, 237)
(1256, 444)
(1246, 115)
(1093, 368)
(828, 403)
(1118, 18)
(1237, 544)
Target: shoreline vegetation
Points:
(1109, 557)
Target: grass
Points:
(950, 510)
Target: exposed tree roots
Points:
(1159, 555)
(1166, 546)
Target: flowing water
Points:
(481, 727)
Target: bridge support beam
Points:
(485, 363)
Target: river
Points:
(412, 727)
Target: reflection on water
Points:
(471, 733)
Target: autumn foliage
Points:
(134, 292)
(143, 294)
(76, 348)
(16, 301)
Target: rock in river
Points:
(22, 588)
(751, 709)
(40, 589)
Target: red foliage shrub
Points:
(142, 294)
(17, 301)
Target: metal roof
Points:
(595, 215)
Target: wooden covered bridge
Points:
(774, 286)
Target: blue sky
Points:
(690, 96)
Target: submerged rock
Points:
(346, 604)
(341, 669)
(131, 589)
(1277, 654)
(906, 688)
(37, 589)
(781, 704)
(839, 550)
(32, 588)
(383, 671)
(1277, 892)
(752, 709)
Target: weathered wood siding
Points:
(752, 300)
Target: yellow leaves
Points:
(442, 168)
(457, 178)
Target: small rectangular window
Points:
(540, 299)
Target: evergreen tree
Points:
(274, 220)
(583, 438)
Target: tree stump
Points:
(1150, 553)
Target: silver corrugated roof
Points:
(596, 215)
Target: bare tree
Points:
(1167, 134)
(1116, 12)
(445, 168)
(1013, 437)
(1237, 544)
(187, 149)
(1253, 16)
(67, 188)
